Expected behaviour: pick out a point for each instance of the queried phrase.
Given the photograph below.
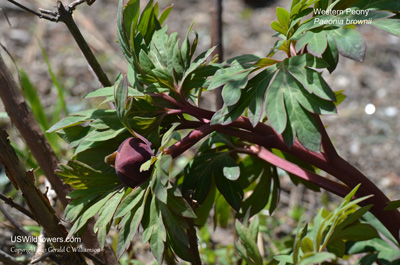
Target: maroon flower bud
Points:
(131, 154)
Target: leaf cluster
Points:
(159, 100)
(332, 234)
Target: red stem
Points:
(189, 140)
(329, 160)
(267, 156)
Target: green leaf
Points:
(131, 201)
(337, 247)
(60, 88)
(34, 102)
(275, 192)
(130, 14)
(179, 206)
(350, 43)
(316, 42)
(156, 243)
(89, 213)
(254, 228)
(289, 103)
(283, 17)
(359, 232)
(81, 117)
(389, 25)
(202, 169)
(331, 54)
(148, 22)
(160, 178)
(105, 216)
(82, 176)
(197, 63)
(164, 14)
(100, 136)
(392, 205)
(204, 209)
(311, 24)
(369, 259)
(307, 245)
(317, 258)
(369, 218)
(222, 211)
(261, 193)
(275, 25)
(301, 232)
(175, 227)
(122, 36)
(384, 249)
(275, 106)
(233, 78)
(75, 208)
(378, 4)
(231, 191)
(313, 82)
(252, 255)
(231, 172)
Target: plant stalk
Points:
(66, 17)
(329, 160)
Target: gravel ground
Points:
(370, 142)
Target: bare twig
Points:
(16, 225)
(46, 255)
(11, 202)
(40, 15)
(7, 259)
(23, 119)
(66, 17)
(216, 29)
(217, 40)
(64, 14)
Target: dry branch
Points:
(22, 117)
(37, 202)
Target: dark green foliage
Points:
(271, 107)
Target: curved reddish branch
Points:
(189, 140)
(266, 136)
(268, 156)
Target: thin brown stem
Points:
(66, 17)
(217, 40)
(7, 259)
(11, 202)
(16, 225)
(40, 15)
